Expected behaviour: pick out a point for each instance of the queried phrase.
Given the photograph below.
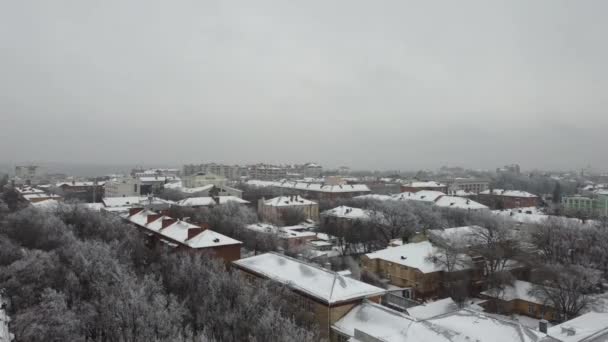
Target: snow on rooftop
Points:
(316, 187)
(111, 202)
(415, 255)
(375, 197)
(476, 326)
(429, 184)
(177, 230)
(349, 213)
(297, 231)
(388, 325)
(47, 204)
(590, 327)
(458, 236)
(508, 193)
(459, 203)
(34, 196)
(288, 201)
(70, 183)
(421, 196)
(519, 290)
(315, 281)
(433, 309)
(209, 201)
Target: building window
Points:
(531, 309)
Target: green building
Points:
(594, 205)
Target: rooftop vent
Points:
(216, 240)
(403, 257)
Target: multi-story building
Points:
(418, 186)
(507, 199)
(475, 185)
(273, 210)
(183, 236)
(416, 266)
(326, 294)
(124, 187)
(267, 172)
(85, 191)
(28, 174)
(231, 172)
(593, 205)
(201, 179)
(318, 191)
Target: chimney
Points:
(73, 182)
(542, 326)
(153, 217)
(167, 222)
(133, 211)
(192, 232)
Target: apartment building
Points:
(326, 294)
(272, 210)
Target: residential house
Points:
(429, 185)
(418, 266)
(327, 294)
(85, 191)
(346, 217)
(180, 235)
(507, 199)
(292, 237)
(274, 209)
(519, 298)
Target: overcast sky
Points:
(369, 84)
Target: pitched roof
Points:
(320, 283)
(416, 255)
(178, 231)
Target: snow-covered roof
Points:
(459, 203)
(429, 184)
(465, 325)
(470, 325)
(209, 201)
(590, 327)
(519, 290)
(195, 190)
(349, 213)
(288, 232)
(316, 187)
(178, 230)
(111, 202)
(27, 190)
(47, 204)
(458, 236)
(422, 196)
(508, 193)
(320, 283)
(375, 197)
(388, 325)
(31, 197)
(462, 193)
(60, 184)
(288, 201)
(416, 255)
(154, 179)
(433, 309)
